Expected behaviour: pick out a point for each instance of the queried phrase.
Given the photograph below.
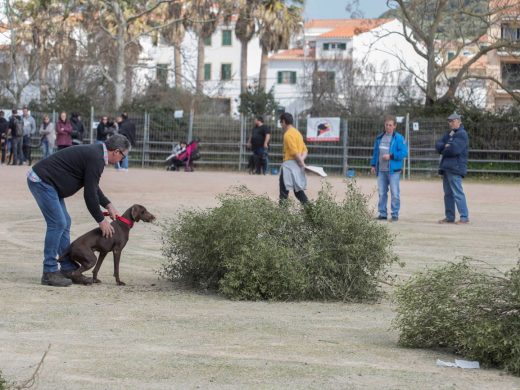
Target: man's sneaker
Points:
(462, 222)
(395, 219)
(81, 279)
(55, 279)
(381, 218)
(446, 220)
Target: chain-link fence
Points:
(494, 147)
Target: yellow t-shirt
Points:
(292, 144)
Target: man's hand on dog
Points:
(106, 229)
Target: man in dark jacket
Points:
(454, 147)
(61, 175)
(126, 128)
(16, 131)
(4, 129)
(78, 129)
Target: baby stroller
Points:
(184, 156)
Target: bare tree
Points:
(21, 58)
(435, 27)
(123, 23)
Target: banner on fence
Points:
(323, 129)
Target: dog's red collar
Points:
(120, 218)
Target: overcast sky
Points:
(335, 9)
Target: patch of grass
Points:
(473, 311)
(251, 248)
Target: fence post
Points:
(408, 141)
(345, 147)
(146, 138)
(242, 137)
(91, 124)
(190, 126)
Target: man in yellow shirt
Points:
(292, 174)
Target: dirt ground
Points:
(150, 335)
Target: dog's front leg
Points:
(117, 257)
(100, 259)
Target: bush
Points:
(251, 248)
(463, 308)
(3, 382)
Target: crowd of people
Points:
(17, 132)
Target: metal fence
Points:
(494, 147)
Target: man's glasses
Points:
(122, 154)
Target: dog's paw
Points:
(96, 280)
(120, 283)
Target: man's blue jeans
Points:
(454, 195)
(57, 237)
(385, 180)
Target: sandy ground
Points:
(150, 335)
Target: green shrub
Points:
(466, 309)
(3, 382)
(249, 247)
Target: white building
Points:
(221, 64)
(343, 54)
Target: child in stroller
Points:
(183, 154)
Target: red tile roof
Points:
(293, 54)
(353, 27)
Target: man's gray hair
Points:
(117, 141)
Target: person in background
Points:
(29, 129)
(59, 176)
(63, 132)
(292, 172)
(387, 163)
(48, 136)
(16, 133)
(78, 130)
(104, 129)
(259, 144)
(126, 128)
(454, 149)
(4, 130)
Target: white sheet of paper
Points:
(317, 170)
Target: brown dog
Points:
(82, 249)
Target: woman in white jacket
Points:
(48, 136)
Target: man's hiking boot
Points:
(77, 279)
(55, 279)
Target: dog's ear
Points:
(137, 210)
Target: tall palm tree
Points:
(245, 29)
(174, 33)
(203, 16)
(279, 20)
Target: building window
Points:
(510, 32)
(325, 82)
(161, 73)
(511, 75)
(335, 46)
(225, 72)
(207, 72)
(226, 37)
(451, 54)
(207, 41)
(286, 77)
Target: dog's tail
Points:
(64, 254)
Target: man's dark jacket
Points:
(454, 148)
